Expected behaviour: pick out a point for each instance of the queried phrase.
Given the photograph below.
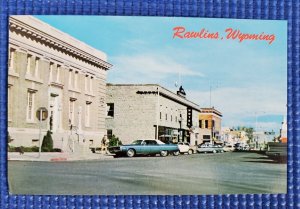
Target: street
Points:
(223, 173)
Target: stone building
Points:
(210, 125)
(135, 112)
(49, 68)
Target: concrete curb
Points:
(56, 157)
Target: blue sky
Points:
(248, 80)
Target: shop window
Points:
(206, 136)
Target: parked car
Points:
(241, 146)
(228, 148)
(205, 148)
(145, 147)
(184, 147)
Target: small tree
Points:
(47, 144)
(114, 141)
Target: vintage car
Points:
(228, 148)
(205, 148)
(185, 147)
(145, 147)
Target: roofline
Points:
(176, 97)
(50, 35)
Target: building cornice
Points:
(28, 26)
(211, 111)
(155, 88)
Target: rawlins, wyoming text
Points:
(230, 33)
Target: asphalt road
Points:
(222, 173)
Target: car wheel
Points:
(176, 153)
(214, 151)
(190, 151)
(163, 153)
(130, 152)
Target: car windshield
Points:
(137, 142)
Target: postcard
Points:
(111, 105)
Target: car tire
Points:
(176, 153)
(164, 153)
(190, 151)
(130, 153)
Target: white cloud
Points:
(150, 68)
(237, 104)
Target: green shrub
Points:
(114, 141)
(56, 150)
(31, 149)
(23, 149)
(47, 145)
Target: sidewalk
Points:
(56, 156)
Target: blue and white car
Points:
(145, 147)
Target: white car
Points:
(205, 148)
(185, 148)
(228, 148)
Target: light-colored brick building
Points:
(49, 68)
(134, 112)
(210, 121)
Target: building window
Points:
(86, 83)
(28, 67)
(176, 119)
(171, 118)
(36, 68)
(87, 114)
(166, 116)
(200, 124)
(11, 59)
(206, 123)
(213, 123)
(76, 80)
(58, 74)
(30, 105)
(10, 102)
(71, 81)
(51, 71)
(91, 85)
(109, 133)
(159, 115)
(71, 111)
(110, 109)
(88, 86)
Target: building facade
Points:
(233, 136)
(49, 68)
(135, 112)
(210, 125)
